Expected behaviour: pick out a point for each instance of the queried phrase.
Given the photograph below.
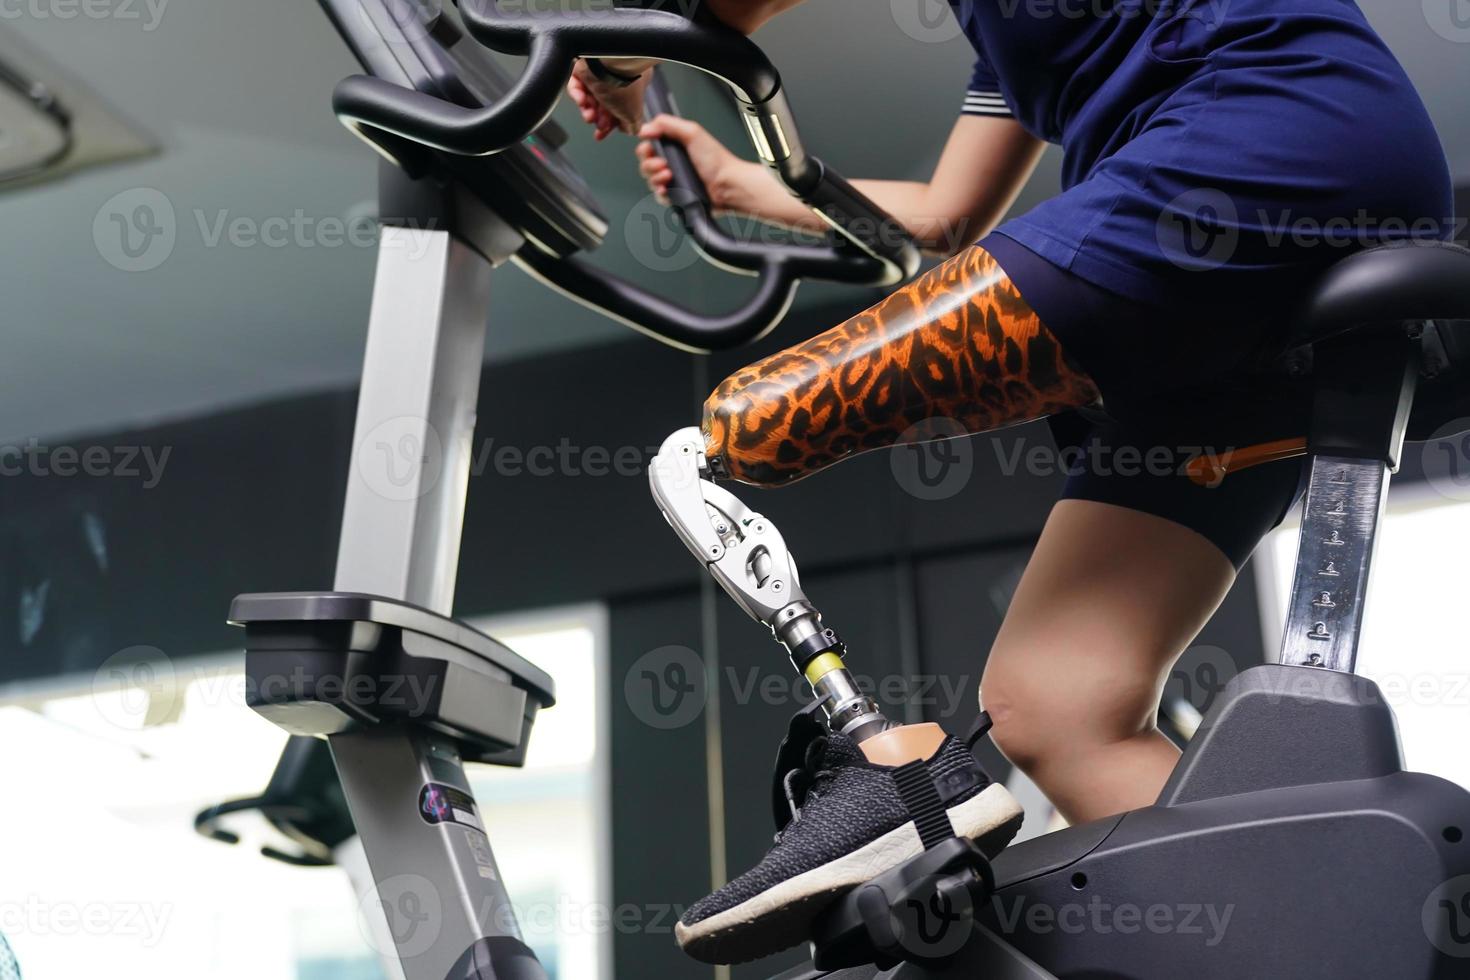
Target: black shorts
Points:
(1175, 385)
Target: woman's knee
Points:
(1044, 709)
(1025, 718)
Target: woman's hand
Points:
(726, 176)
(606, 107)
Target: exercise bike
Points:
(1290, 809)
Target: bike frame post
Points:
(436, 881)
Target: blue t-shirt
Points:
(1265, 122)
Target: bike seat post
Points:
(1364, 390)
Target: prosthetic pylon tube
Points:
(748, 557)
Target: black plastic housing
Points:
(320, 663)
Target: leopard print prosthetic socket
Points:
(957, 351)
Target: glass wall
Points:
(101, 873)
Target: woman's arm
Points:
(985, 163)
(984, 166)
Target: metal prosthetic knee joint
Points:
(748, 557)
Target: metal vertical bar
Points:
(411, 447)
(436, 880)
(1340, 521)
(438, 884)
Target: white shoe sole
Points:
(791, 904)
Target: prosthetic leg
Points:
(959, 343)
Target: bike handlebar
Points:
(871, 250)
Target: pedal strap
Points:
(979, 730)
(804, 728)
(921, 797)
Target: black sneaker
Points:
(850, 825)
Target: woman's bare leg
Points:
(1110, 599)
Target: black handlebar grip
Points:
(687, 189)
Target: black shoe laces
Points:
(803, 786)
